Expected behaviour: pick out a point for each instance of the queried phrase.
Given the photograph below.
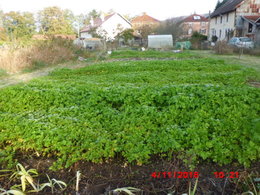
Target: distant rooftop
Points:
(144, 18)
(195, 18)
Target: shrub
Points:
(197, 39)
(222, 47)
(38, 54)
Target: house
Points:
(229, 19)
(250, 27)
(194, 23)
(144, 20)
(106, 27)
(143, 26)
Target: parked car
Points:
(241, 42)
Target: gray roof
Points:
(229, 6)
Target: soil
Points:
(254, 84)
(97, 179)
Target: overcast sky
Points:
(161, 10)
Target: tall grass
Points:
(16, 58)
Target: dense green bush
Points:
(200, 109)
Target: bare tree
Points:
(170, 26)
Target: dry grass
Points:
(222, 47)
(14, 59)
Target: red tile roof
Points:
(193, 16)
(253, 18)
(144, 18)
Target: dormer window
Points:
(196, 17)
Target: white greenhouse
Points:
(160, 41)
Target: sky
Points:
(160, 10)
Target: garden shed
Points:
(160, 41)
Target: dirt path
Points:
(25, 77)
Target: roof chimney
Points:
(92, 21)
(102, 17)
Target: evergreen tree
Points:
(220, 3)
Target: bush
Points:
(222, 47)
(19, 56)
(197, 39)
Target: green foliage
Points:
(197, 39)
(19, 25)
(92, 15)
(54, 20)
(200, 109)
(150, 54)
(220, 3)
(126, 35)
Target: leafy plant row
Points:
(150, 54)
(99, 112)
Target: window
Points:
(221, 18)
(190, 31)
(227, 16)
(196, 17)
(250, 28)
(220, 32)
(203, 24)
(190, 24)
(213, 32)
(203, 31)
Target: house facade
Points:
(227, 20)
(250, 27)
(143, 26)
(107, 27)
(195, 23)
(144, 20)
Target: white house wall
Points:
(111, 26)
(219, 28)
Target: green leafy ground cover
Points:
(200, 109)
(150, 54)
